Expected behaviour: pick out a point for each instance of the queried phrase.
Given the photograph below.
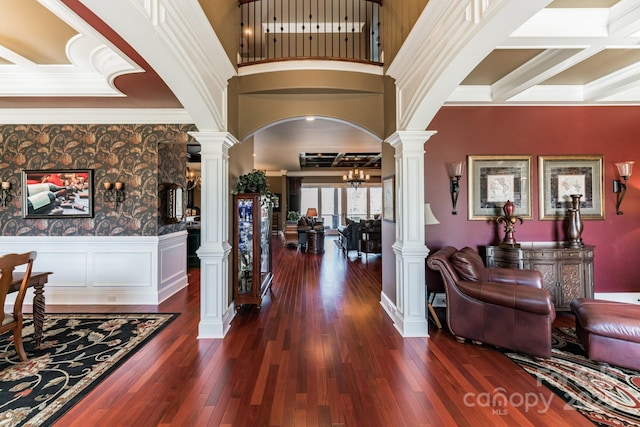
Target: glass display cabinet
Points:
(252, 273)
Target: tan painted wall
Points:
(271, 97)
(388, 231)
(225, 19)
(240, 162)
(397, 19)
(390, 122)
(232, 107)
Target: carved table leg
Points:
(38, 312)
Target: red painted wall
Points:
(611, 131)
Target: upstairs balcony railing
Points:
(274, 30)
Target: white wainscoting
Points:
(106, 270)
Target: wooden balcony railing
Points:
(275, 30)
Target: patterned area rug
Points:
(77, 352)
(606, 395)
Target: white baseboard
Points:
(406, 329)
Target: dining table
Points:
(37, 282)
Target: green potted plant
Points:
(293, 216)
(254, 182)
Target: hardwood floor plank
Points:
(320, 351)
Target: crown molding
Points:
(93, 65)
(448, 40)
(94, 116)
(176, 39)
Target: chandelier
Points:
(355, 177)
(194, 179)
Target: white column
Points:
(409, 247)
(216, 312)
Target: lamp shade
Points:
(429, 217)
(455, 168)
(625, 169)
(311, 212)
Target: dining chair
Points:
(13, 321)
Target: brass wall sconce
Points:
(619, 187)
(113, 192)
(194, 179)
(5, 194)
(455, 171)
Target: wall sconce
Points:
(619, 187)
(194, 179)
(455, 171)
(113, 192)
(5, 194)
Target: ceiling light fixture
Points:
(356, 177)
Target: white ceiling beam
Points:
(613, 84)
(539, 69)
(568, 36)
(471, 94)
(549, 95)
(567, 42)
(560, 22)
(624, 20)
(448, 40)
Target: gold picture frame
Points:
(492, 180)
(561, 176)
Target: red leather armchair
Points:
(504, 307)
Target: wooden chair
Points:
(13, 321)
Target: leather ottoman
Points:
(609, 331)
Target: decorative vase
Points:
(509, 221)
(574, 230)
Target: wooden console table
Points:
(566, 272)
(315, 242)
(370, 242)
(36, 281)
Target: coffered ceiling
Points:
(59, 54)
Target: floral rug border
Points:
(87, 335)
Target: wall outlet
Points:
(440, 300)
(111, 298)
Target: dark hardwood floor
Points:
(320, 352)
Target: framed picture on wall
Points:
(493, 180)
(57, 193)
(561, 176)
(388, 198)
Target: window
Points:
(308, 199)
(334, 203)
(375, 201)
(356, 203)
(330, 206)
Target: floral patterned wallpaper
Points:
(171, 170)
(125, 153)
